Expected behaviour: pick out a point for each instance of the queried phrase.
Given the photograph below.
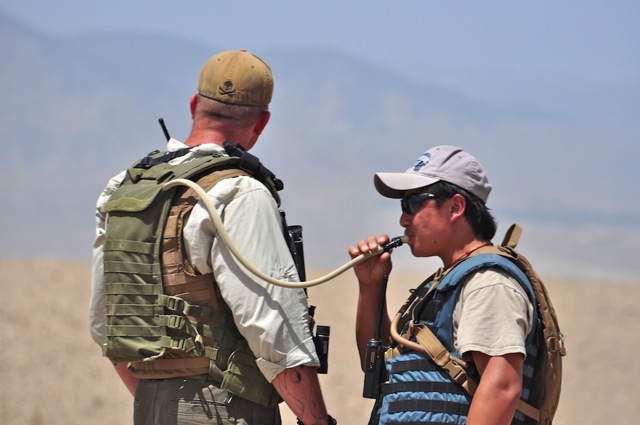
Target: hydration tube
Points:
(217, 222)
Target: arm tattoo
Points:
(301, 394)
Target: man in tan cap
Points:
(231, 345)
(478, 309)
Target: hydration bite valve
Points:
(395, 242)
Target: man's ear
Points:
(457, 206)
(193, 103)
(262, 122)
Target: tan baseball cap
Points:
(446, 163)
(237, 77)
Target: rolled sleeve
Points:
(301, 355)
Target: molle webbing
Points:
(142, 322)
(419, 392)
(414, 386)
(206, 308)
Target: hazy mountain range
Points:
(76, 110)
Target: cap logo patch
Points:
(422, 161)
(226, 89)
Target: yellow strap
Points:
(456, 368)
(528, 410)
(512, 236)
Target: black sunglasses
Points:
(412, 203)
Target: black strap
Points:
(252, 165)
(151, 160)
(381, 307)
(425, 364)
(436, 406)
(415, 387)
(331, 421)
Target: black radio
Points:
(321, 338)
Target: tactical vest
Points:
(162, 317)
(418, 391)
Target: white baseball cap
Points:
(440, 163)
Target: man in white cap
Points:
(232, 346)
(481, 315)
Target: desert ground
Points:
(51, 372)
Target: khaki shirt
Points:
(493, 315)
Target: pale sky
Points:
(577, 59)
(457, 44)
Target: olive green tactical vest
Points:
(162, 333)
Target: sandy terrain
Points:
(52, 373)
